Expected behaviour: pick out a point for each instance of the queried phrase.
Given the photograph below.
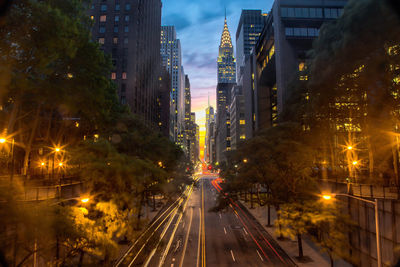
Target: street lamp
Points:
(85, 200)
(245, 160)
(2, 141)
(328, 197)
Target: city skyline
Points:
(198, 26)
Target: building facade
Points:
(279, 56)
(249, 29)
(226, 80)
(129, 32)
(236, 111)
(209, 133)
(172, 61)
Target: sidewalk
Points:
(311, 250)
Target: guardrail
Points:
(365, 190)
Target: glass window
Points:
(102, 29)
(126, 29)
(103, 18)
(113, 76)
(340, 11)
(117, 7)
(304, 12)
(123, 100)
(284, 12)
(290, 12)
(128, 7)
(303, 31)
(297, 12)
(116, 29)
(296, 31)
(313, 13)
(127, 18)
(289, 31)
(126, 41)
(115, 40)
(319, 12)
(124, 75)
(103, 7)
(101, 40)
(92, 6)
(327, 12)
(123, 88)
(116, 18)
(334, 12)
(311, 32)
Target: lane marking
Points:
(186, 240)
(224, 230)
(199, 244)
(233, 257)
(245, 231)
(149, 227)
(259, 255)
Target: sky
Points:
(199, 25)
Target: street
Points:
(200, 237)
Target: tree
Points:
(53, 71)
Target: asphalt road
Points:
(195, 236)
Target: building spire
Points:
(226, 40)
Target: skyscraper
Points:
(172, 61)
(250, 26)
(226, 80)
(129, 32)
(207, 145)
(226, 58)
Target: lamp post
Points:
(328, 197)
(2, 141)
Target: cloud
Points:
(180, 21)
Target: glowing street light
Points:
(245, 160)
(327, 197)
(355, 163)
(349, 148)
(85, 200)
(57, 149)
(60, 164)
(42, 164)
(2, 140)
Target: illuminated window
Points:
(301, 66)
(103, 18)
(102, 29)
(115, 40)
(242, 122)
(115, 29)
(113, 76)
(101, 40)
(128, 7)
(103, 7)
(124, 75)
(116, 18)
(243, 136)
(117, 7)
(126, 18)
(126, 29)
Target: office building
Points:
(279, 56)
(172, 61)
(226, 80)
(249, 29)
(129, 32)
